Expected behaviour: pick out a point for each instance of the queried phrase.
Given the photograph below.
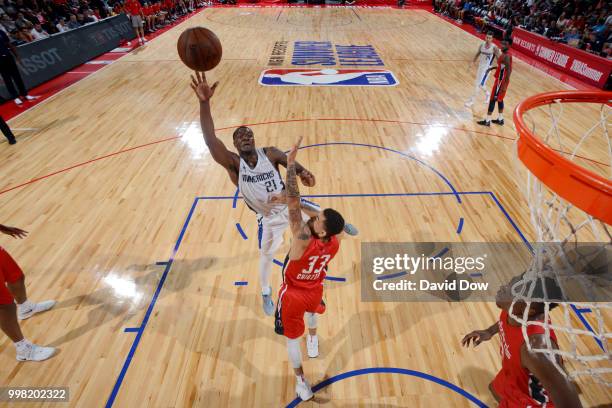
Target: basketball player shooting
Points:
(527, 378)
(486, 53)
(502, 79)
(255, 172)
(314, 244)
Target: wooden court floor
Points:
(121, 181)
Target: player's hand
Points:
(476, 337)
(307, 178)
(201, 88)
(13, 232)
(293, 152)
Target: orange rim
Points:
(586, 190)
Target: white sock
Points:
(501, 116)
(22, 343)
(300, 379)
(488, 117)
(311, 318)
(295, 354)
(266, 291)
(25, 306)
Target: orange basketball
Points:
(199, 49)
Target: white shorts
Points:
(272, 229)
(481, 77)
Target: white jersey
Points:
(259, 184)
(486, 57)
(487, 54)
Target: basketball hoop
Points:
(570, 201)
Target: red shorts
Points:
(499, 92)
(511, 396)
(10, 272)
(291, 306)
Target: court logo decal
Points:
(327, 77)
(310, 53)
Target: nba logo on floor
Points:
(328, 77)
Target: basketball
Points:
(199, 49)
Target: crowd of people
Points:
(25, 21)
(584, 24)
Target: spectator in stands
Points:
(61, 25)
(73, 23)
(89, 17)
(562, 21)
(593, 44)
(38, 33)
(21, 22)
(465, 11)
(23, 36)
(572, 37)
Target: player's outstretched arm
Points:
(277, 156)
(299, 230)
(478, 336)
(13, 232)
(561, 390)
(217, 149)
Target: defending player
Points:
(526, 379)
(255, 172)
(503, 70)
(12, 289)
(487, 51)
(314, 244)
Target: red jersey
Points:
(514, 384)
(503, 71)
(133, 7)
(309, 271)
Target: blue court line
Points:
(142, 328)
(422, 163)
(516, 228)
(145, 320)
(585, 310)
(442, 252)
(235, 197)
(161, 263)
(334, 278)
(460, 226)
(450, 185)
(586, 324)
(241, 283)
(392, 370)
(361, 195)
(279, 263)
(393, 275)
(241, 231)
(131, 329)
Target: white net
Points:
(571, 259)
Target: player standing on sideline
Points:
(526, 378)
(12, 288)
(255, 172)
(487, 51)
(134, 9)
(502, 79)
(314, 244)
